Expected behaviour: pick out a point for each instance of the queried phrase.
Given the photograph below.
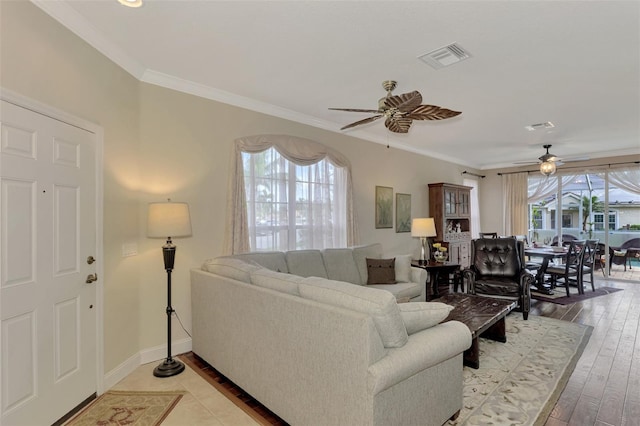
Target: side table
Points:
(436, 271)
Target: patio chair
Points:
(571, 270)
(622, 255)
(566, 239)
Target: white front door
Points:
(48, 226)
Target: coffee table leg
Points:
(497, 331)
(471, 357)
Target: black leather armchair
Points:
(497, 269)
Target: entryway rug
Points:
(559, 295)
(520, 381)
(132, 408)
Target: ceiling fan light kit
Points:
(400, 110)
(548, 168)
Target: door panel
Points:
(47, 314)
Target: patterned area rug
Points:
(118, 408)
(559, 295)
(519, 382)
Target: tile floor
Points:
(203, 405)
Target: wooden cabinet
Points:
(450, 207)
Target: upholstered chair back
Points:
(497, 257)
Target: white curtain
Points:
(514, 203)
(299, 151)
(475, 207)
(541, 187)
(627, 179)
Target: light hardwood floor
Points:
(604, 388)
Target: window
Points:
(291, 206)
(598, 222)
(287, 193)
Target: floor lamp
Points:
(423, 228)
(168, 220)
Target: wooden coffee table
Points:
(483, 315)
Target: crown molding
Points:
(76, 23)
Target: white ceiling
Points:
(574, 63)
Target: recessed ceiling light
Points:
(131, 3)
(445, 56)
(540, 126)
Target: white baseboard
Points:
(143, 357)
(160, 352)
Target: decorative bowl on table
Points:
(440, 256)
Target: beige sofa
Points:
(317, 351)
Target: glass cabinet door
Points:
(464, 203)
(450, 202)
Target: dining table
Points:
(547, 253)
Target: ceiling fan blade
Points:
(357, 123)
(405, 102)
(371, 111)
(572, 159)
(431, 112)
(398, 125)
(526, 162)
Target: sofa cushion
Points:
(403, 268)
(360, 254)
(231, 268)
(381, 271)
(274, 260)
(279, 281)
(380, 305)
(340, 265)
(306, 263)
(419, 316)
(400, 290)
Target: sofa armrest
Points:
(424, 350)
(419, 276)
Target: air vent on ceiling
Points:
(540, 126)
(445, 56)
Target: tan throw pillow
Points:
(381, 271)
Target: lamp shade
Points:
(423, 227)
(548, 168)
(168, 220)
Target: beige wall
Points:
(44, 61)
(490, 191)
(160, 143)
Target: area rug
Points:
(559, 295)
(119, 408)
(520, 381)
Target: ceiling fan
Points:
(548, 161)
(400, 110)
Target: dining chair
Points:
(591, 256)
(488, 234)
(571, 270)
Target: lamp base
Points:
(169, 367)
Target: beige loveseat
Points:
(318, 351)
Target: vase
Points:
(440, 256)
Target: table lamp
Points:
(423, 228)
(168, 220)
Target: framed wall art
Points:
(403, 212)
(384, 207)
